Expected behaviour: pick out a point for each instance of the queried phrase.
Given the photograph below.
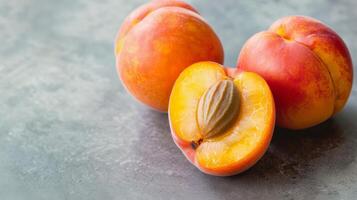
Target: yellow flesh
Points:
(251, 127)
(246, 136)
(187, 94)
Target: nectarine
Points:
(307, 66)
(222, 120)
(156, 42)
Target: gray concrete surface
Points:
(68, 130)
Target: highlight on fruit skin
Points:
(156, 42)
(240, 107)
(307, 66)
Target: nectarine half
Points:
(222, 120)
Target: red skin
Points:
(307, 67)
(156, 42)
(327, 45)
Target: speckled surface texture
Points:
(68, 129)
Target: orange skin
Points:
(307, 66)
(244, 142)
(156, 42)
(140, 13)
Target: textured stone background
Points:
(68, 130)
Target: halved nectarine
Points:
(222, 120)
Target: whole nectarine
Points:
(156, 42)
(307, 66)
